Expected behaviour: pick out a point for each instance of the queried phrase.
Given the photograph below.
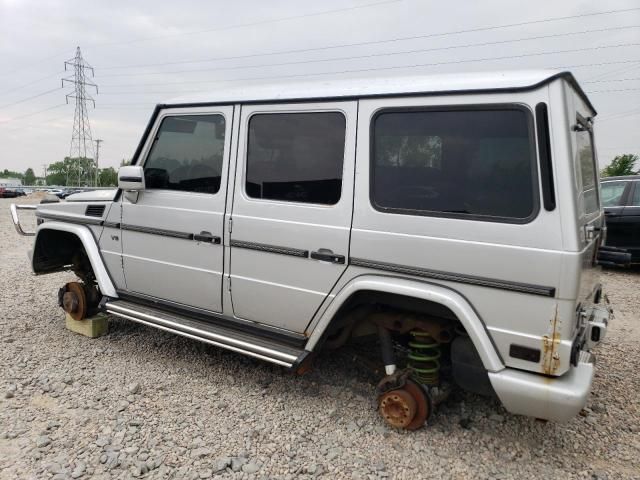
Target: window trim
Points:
(245, 160)
(533, 153)
(153, 138)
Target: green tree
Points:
(29, 177)
(70, 170)
(620, 166)
(10, 174)
(108, 177)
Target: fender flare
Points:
(422, 290)
(93, 252)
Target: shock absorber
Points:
(424, 358)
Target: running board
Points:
(232, 339)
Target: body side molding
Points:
(90, 246)
(412, 288)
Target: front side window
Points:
(612, 193)
(187, 154)
(296, 157)
(588, 198)
(455, 163)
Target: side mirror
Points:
(131, 178)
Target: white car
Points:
(455, 217)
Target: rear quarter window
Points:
(475, 164)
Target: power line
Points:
(30, 98)
(249, 24)
(32, 113)
(613, 80)
(377, 42)
(358, 57)
(33, 83)
(614, 90)
(395, 67)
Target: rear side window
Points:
(612, 193)
(458, 163)
(187, 154)
(296, 157)
(635, 198)
(588, 198)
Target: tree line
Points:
(70, 172)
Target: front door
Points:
(292, 209)
(172, 235)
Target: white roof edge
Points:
(374, 86)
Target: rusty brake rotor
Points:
(74, 301)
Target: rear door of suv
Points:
(292, 209)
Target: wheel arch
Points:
(56, 241)
(419, 290)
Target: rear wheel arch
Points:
(419, 291)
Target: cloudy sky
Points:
(146, 52)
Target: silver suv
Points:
(456, 219)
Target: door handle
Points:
(326, 255)
(206, 237)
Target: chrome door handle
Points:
(326, 255)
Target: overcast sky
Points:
(146, 52)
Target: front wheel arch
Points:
(57, 242)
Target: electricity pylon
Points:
(81, 141)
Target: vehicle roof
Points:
(505, 81)
(623, 177)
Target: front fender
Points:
(91, 248)
(449, 298)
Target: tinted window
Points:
(635, 198)
(588, 199)
(454, 162)
(612, 193)
(296, 157)
(187, 154)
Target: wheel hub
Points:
(407, 407)
(74, 300)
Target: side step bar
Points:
(232, 339)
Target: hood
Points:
(93, 196)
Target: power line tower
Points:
(81, 142)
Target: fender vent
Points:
(94, 211)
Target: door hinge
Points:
(230, 224)
(229, 284)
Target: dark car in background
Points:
(621, 202)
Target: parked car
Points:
(8, 192)
(621, 202)
(454, 218)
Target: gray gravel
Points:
(140, 403)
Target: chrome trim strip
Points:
(202, 333)
(69, 219)
(201, 339)
(456, 277)
(157, 231)
(111, 224)
(16, 219)
(262, 247)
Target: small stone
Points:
(237, 463)
(200, 453)
(122, 405)
(42, 441)
(208, 473)
(102, 441)
(133, 388)
(496, 418)
(9, 394)
(250, 468)
(222, 464)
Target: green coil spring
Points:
(424, 358)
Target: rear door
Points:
(172, 234)
(630, 222)
(292, 209)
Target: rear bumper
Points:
(540, 396)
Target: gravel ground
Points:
(143, 403)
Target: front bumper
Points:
(540, 396)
